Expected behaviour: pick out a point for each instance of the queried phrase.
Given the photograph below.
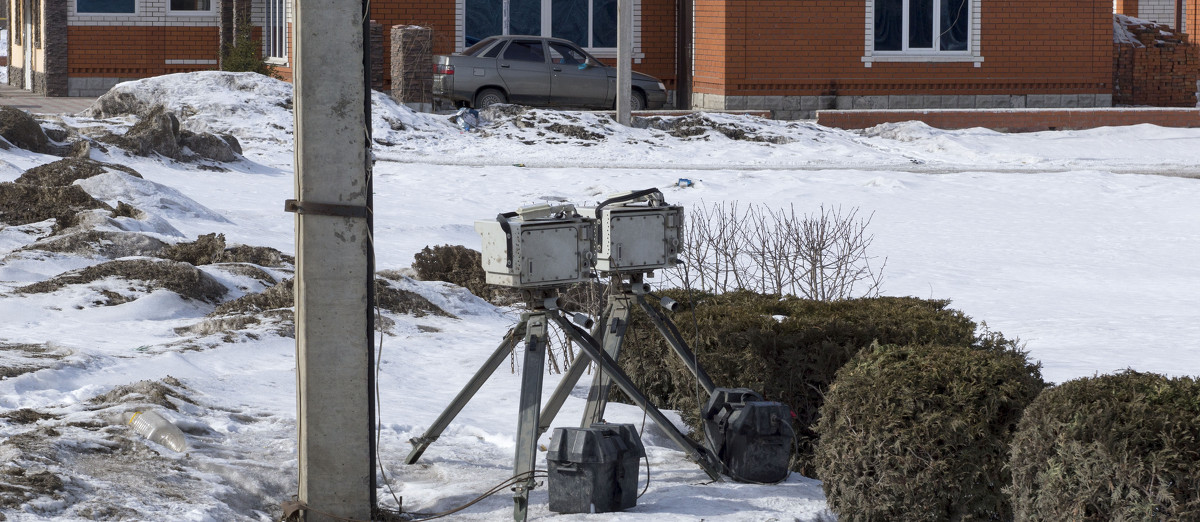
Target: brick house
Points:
(788, 56)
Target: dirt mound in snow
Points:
(19, 359)
(49, 191)
(110, 244)
(210, 248)
(555, 127)
(245, 105)
(165, 393)
(64, 172)
(21, 204)
(25, 416)
(181, 278)
(19, 128)
(158, 131)
(700, 125)
(280, 296)
(402, 301)
(272, 309)
(18, 486)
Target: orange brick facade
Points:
(816, 48)
(138, 51)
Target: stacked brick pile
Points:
(1153, 64)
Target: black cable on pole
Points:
(368, 161)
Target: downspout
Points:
(1179, 16)
(683, 54)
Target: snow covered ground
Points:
(1081, 243)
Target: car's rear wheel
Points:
(637, 100)
(488, 97)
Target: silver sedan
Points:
(536, 71)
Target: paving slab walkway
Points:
(37, 104)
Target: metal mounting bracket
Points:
(325, 209)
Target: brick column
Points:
(53, 81)
(412, 66)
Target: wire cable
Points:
(512, 481)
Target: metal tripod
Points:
(611, 333)
(544, 307)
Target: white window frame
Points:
(548, 30)
(275, 31)
(971, 54)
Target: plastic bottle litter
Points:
(158, 429)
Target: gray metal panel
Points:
(544, 252)
(550, 254)
(639, 238)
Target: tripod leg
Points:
(666, 327)
(527, 426)
(612, 335)
(555, 403)
(568, 382)
(460, 401)
(707, 461)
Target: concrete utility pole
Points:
(624, 60)
(334, 266)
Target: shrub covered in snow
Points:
(1113, 447)
(921, 432)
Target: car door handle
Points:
(504, 65)
(557, 69)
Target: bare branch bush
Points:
(821, 256)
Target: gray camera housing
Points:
(544, 253)
(637, 238)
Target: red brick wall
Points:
(1126, 7)
(658, 41)
(711, 52)
(435, 14)
(137, 51)
(814, 47)
(1014, 120)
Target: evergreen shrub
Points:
(1112, 447)
(921, 432)
(788, 349)
(244, 54)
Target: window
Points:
(921, 25)
(565, 55)
(275, 45)
(588, 23)
(525, 51)
(105, 6)
(191, 5)
(923, 30)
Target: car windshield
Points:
(480, 46)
